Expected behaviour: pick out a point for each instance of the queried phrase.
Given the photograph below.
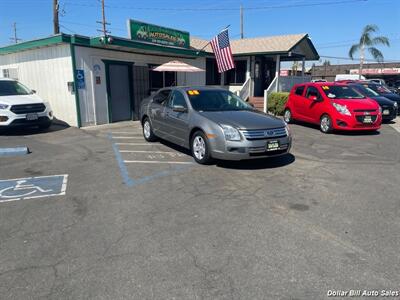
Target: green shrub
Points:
(276, 102)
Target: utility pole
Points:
(15, 39)
(103, 22)
(56, 24)
(241, 22)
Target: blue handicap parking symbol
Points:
(32, 187)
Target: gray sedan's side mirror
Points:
(179, 108)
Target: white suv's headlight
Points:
(342, 109)
(231, 134)
(4, 106)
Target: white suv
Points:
(20, 106)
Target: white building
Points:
(91, 81)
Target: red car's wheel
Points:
(287, 116)
(326, 124)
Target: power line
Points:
(221, 8)
(348, 58)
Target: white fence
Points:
(283, 84)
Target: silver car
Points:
(213, 123)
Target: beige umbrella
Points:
(177, 66)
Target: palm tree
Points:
(367, 43)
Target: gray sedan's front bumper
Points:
(246, 149)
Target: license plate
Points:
(272, 145)
(367, 119)
(386, 112)
(32, 117)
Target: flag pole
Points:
(198, 51)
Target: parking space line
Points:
(157, 162)
(126, 132)
(156, 152)
(176, 166)
(122, 167)
(135, 144)
(396, 125)
(128, 137)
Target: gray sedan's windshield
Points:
(209, 100)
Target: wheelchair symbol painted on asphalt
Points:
(32, 187)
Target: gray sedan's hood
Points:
(243, 119)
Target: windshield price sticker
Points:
(325, 87)
(193, 92)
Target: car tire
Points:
(325, 124)
(200, 148)
(287, 116)
(148, 133)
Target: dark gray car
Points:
(213, 123)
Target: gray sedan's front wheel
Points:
(200, 148)
(148, 131)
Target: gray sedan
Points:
(213, 123)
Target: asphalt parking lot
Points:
(143, 221)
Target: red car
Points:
(334, 106)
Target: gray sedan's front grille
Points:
(260, 134)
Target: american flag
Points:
(222, 51)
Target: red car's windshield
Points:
(341, 92)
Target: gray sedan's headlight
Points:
(231, 133)
(3, 106)
(395, 105)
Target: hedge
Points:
(276, 102)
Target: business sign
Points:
(155, 34)
(384, 71)
(80, 79)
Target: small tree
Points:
(367, 43)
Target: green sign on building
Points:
(146, 32)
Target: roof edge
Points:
(37, 43)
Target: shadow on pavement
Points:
(57, 125)
(339, 132)
(257, 164)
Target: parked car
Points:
(389, 108)
(20, 106)
(377, 80)
(213, 123)
(383, 91)
(334, 106)
(339, 77)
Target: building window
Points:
(160, 80)
(213, 77)
(236, 76)
(11, 73)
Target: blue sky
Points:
(332, 25)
